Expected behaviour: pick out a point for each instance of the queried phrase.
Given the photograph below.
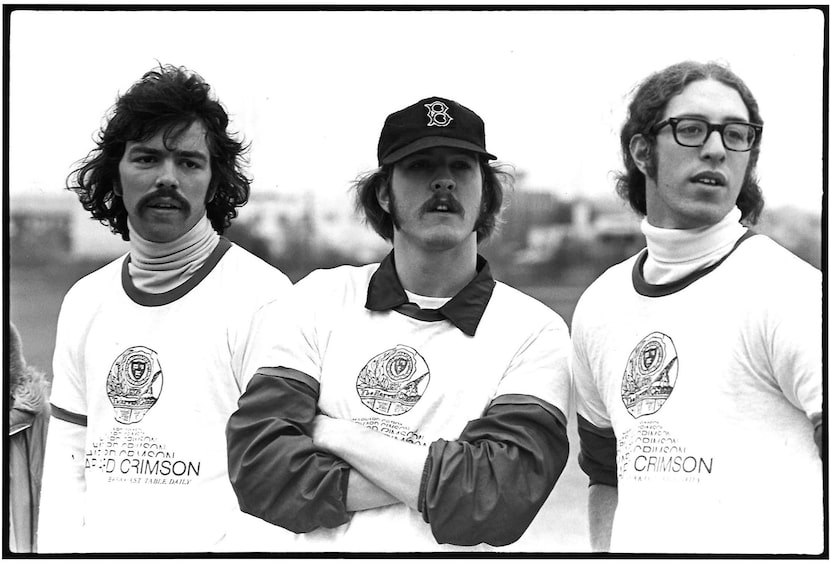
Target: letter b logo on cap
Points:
(438, 115)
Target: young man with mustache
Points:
(151, 349)
(697, 362)
(416, 404)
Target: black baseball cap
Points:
(431, 122)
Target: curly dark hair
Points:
(167, 99)
(494, 181)
(646, 109)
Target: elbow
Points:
(256, 481)
(500, 522)
(295, 495)
(497, 507)
(274, 468)
(488, 486)
(280, 478)
(499, 525)
(290, 504)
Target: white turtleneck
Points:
(674, 254)
(156, 268)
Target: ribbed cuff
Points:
(422, 491)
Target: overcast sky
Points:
(310, 89)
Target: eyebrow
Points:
(199, 155)
(706, 118)
(192, 155)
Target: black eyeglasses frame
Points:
(710, 127)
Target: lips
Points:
(710, 178)
(442, 204)
(163, 203)
(163, 200)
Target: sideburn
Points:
(393, 213)
(483, 208)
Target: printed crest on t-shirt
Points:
(134, 384)
(650, 375)
(393, 381)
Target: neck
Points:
(439, 274)
(159, 267)
(676, 253)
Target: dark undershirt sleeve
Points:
(598, 452)
(488, 485)
(275, 469)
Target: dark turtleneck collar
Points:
(147, 299)
(464, 310)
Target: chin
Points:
(440, 243)
(443, 241)
(706, 216)
(436, 238)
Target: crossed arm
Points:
(384, 470)
(301, 470)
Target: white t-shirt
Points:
(712, 389)
(361, 357)
(144, 385)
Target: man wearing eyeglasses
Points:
(697, 362)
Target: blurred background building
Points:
(543, 238)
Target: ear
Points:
(640, 151)
(116, 188)
(211, 193)
(382, 194)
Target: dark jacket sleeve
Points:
(598, 452)
(275, 469)
(488, 485)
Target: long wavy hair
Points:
(167, 99)
(494, 182)
(646, 109)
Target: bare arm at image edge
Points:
(602, 503)
(597, 458)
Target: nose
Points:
(167, 175)
(443, 179)
(714, 148)
(443, 183)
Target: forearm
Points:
(393, 466)
(363, 494)
(602, 504)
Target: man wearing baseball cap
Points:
(416, 404)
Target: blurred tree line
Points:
(541, 239)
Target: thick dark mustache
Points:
(443, 199)
(164, 193)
